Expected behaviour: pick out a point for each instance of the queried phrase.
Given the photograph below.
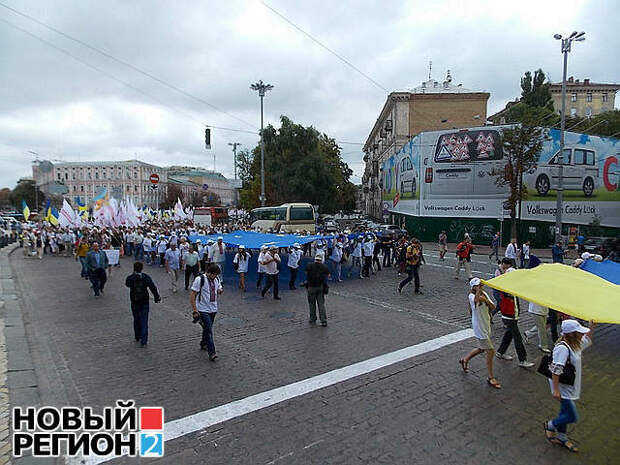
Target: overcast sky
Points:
(63, 109)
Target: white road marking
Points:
(199, 421)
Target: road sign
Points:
(154, 178)
(205, 187)
(154, 187)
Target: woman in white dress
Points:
(240, 262)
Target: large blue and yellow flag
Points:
(26, 210)
(564, 288)
(82, 208)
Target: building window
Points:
(73, 176)
(96, 175)
(81, 188)
(128, 187)
(604, 98)
(573, 112)
(588, 112)
(589, 97)
(573, 97)
(59, 176)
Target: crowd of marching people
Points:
(200, 266)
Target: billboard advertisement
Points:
(452, 174)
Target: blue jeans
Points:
(140, 312)
(139, 252)
(84, 272)
(207, 331)
(568, 414)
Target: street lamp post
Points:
(36, 193)
(566, 45)
(234, 145)
(261, 87)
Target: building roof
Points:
(184, 182)
(446, 87)
(65, 164)
(196, 172)
(573, 83)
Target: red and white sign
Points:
(154, 178)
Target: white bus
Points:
(288, 217)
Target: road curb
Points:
(18, 379)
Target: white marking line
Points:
(202, 420)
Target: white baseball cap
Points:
(573, 326)
(263, 247)
(242, 246)
(586, 255)
(474, 282)
(318, 258)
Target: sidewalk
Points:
(486, 250)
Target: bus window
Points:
(301, 213)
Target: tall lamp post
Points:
(566, 45)
(36, 189)
(261, 87)
(234, 146)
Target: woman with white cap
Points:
(567, 352)
(480, 307)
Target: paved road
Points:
(420, 410)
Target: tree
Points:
(25, 190)
(5, 197)
(173, 193)
(535, 92)
(522, 145)
(301, 165)
(605, 124)
(244, 167)
(206, 198)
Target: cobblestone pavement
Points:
(422, 410)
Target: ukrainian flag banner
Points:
(26, 210)
(564, 288)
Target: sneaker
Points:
(545, 351)
(526, 364)
(324, 323)
(212, 357)
(419, 292)
(400, 290)
(503, 356)
(277, 298)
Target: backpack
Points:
(140, 292)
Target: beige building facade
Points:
(86, 180)
(584, 99)
(429, 107)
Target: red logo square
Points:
(151, 418)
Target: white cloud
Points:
(62, 109)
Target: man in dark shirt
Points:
(139, 283)
(316, 274)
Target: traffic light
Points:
(208, 138)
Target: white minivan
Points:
(463, 164)
(579, 171)
(408, 177)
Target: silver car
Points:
(579, 172)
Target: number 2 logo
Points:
(151, 445)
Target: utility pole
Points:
(234, 145)
(261, 87)
(566, 45)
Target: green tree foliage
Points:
(244, 167)
(535, 92)
(605, 124)
(25, 191)
(522, 145)
(301, 165)
(173, 193)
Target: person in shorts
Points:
(481, 306)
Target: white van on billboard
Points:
(462, 163)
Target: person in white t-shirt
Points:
(575, 338)
(241, 262)
(271, 262)
(481, 306)
(512, 252)
(203, 299)
(162, 246)
(356, 259)
(261, 268)
(525, 255)
(294, 255)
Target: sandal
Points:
(464, 365)
(568, 444)
(493, 383)
(550, 434)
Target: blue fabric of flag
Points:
(606, 269)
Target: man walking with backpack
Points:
(139, 284)
(203, 299)
(414, 258)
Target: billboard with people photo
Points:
(453, 173)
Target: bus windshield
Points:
(269, 213)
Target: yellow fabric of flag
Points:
(564, 288)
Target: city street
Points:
(414, 408)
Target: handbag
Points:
(568, 375)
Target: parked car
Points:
(602, 246)
(330, 226)
(579, 171)
(391, 231)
